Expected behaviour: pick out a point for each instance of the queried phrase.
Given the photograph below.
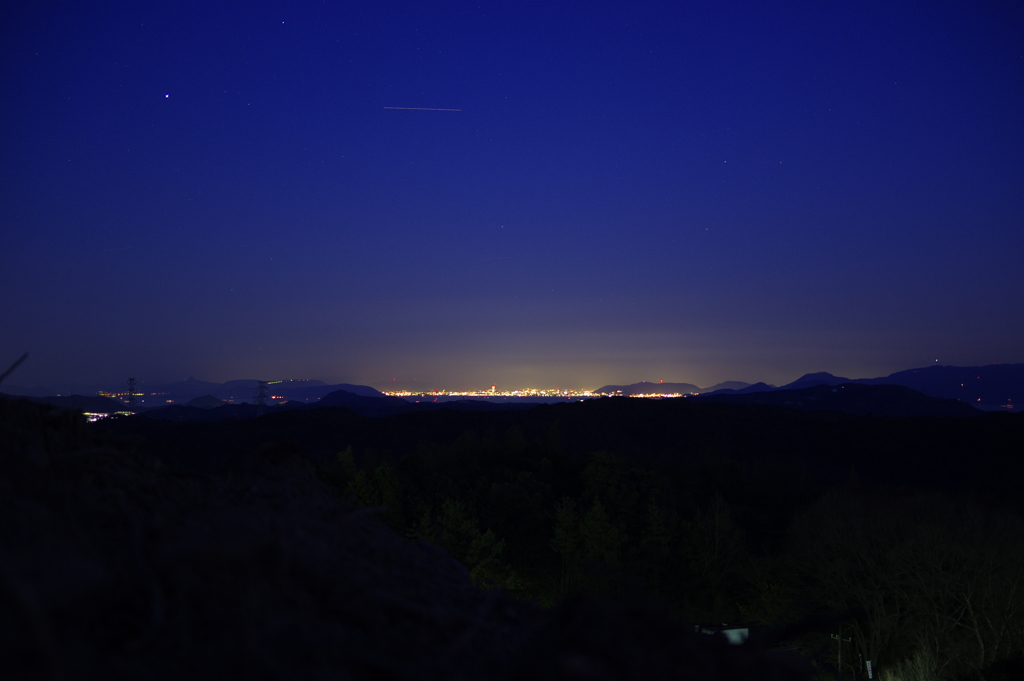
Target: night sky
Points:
(691, 192)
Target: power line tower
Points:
(131, 393)
(262, 392)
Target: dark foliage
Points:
(720, 513)
(115, 565)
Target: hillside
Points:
(853, 398)
(365, 405)
(86, 403)
(720, 512)
(119, 564)
(926, 451)
(646, 388)
(992, 385)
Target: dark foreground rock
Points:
(113, 566)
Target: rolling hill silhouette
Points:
(853, 398)
(648, 388)
(990, 387)
(85, 403)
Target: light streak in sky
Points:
(418, 108)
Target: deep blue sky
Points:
(631, 191)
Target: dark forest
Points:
(901, 536)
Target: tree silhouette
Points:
(935, 584)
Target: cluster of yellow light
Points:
(93, 416)
(525, 392)
(125, 395)
(494, 392)
(661, 395)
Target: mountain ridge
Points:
(990, 387)
(857, 399)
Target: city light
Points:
(494, 391)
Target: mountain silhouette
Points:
(755, 388)
(205, 402)
(990, 387)
(726, 385)
(648, 388)
(852, 398)
(85, 403)
(365, 405)
(820, 378)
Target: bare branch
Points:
(13, 367)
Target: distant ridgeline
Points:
(185, 392)
(852, 398)
(928, 391)
(662, 388)
(990, 387)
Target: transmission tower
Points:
(262, 392)
(131, 393)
